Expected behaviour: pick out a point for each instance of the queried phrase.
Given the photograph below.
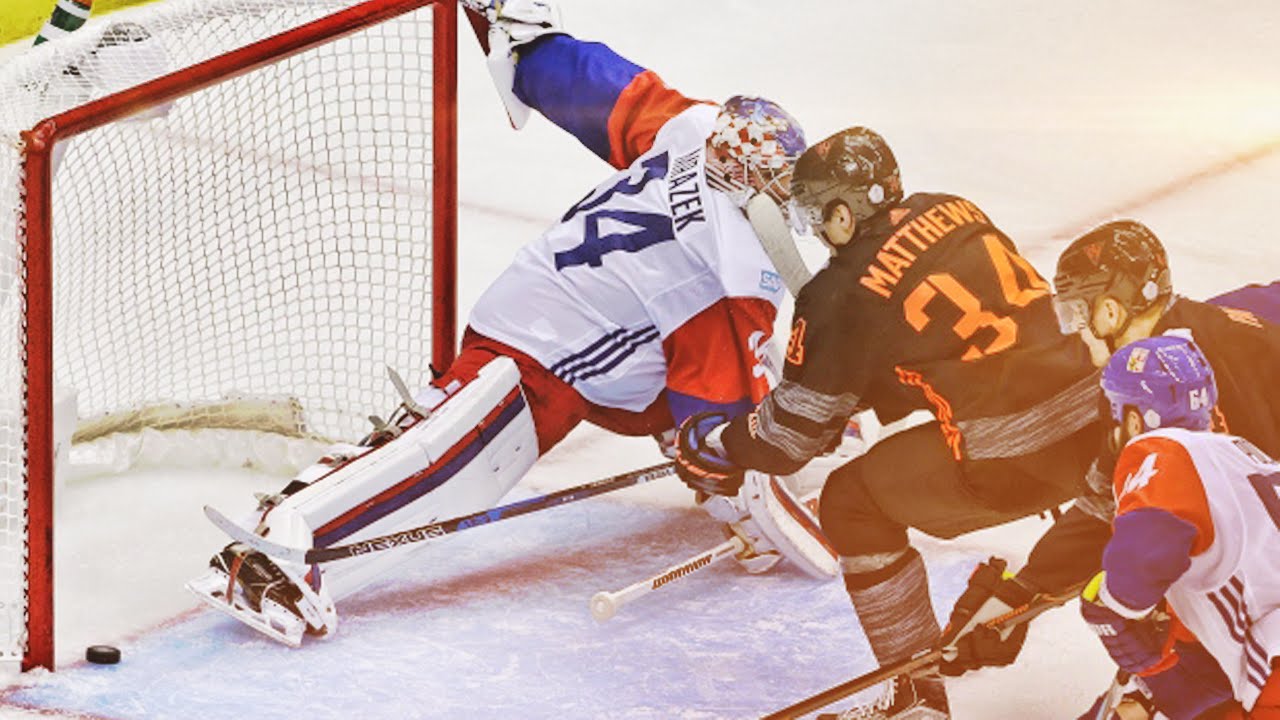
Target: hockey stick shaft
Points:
(604, 605)
(1114, 693)
(432, 531)
(913, 665)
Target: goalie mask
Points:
(1166, 379)
(1122, 260)
(753, 149)
(854, 167)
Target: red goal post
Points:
(265, 210)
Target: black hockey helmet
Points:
(854, 166)
(1123, 260)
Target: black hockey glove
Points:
(701, 466)
(970, 640)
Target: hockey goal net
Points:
(217, 213)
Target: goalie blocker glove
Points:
(700, 457)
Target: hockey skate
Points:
(253, 589)
(760, 555)
(773, 525)
(899, 701)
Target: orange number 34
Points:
(973, 316)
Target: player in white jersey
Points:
(1195, 554)
(649, 301)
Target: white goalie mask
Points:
(753, 149)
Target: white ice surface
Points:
(1051, 117)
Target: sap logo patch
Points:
(1137, 360)
(770, 281)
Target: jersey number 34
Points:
(646, 228)
(1008, 265)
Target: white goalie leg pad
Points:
(788, 525)
(462, 458)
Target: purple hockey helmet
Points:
(1167, 379)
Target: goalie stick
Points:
(313, 556)
(920, 662)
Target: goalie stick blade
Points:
(273, 620)
(253, 540)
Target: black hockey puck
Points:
(102, 654)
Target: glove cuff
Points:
(713, 440)
(1113, 604)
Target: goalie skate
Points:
(758, 554)
(773, 525)
(254, 590)
(787, 526)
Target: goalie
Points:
(651, 300)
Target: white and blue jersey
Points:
(653, 281)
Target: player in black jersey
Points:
(925, 304)
(1113, 286)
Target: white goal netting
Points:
(263, 243)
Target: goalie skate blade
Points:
(211, 589)
(272, 550)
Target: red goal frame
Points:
(37, 244)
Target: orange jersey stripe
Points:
(643, 107)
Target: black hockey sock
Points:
(896, 613)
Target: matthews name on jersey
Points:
(1198, 523)
(651, 282)
(930, 307)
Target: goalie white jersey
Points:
(594, 298)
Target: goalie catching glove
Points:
(512, 23)
(700, 457)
